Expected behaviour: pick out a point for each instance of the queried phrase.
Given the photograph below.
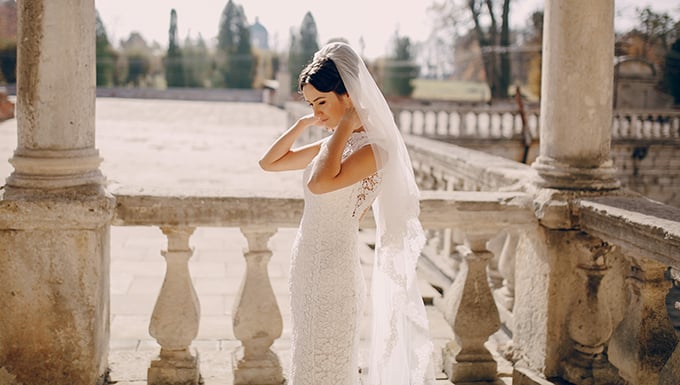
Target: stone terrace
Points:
(187, 147)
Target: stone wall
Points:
(650, 168)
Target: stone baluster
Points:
(590, 324)
(463, 126)
(257, 318)
(495, 124)
(408, 128)
(472, 314)
(176, 316)
(506, 266)
(477, 128)
(645, 339)
(446, 124)
(396, 115)
(433, 122)
(495, 246)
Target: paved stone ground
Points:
(187, 146)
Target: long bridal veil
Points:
(401, 347)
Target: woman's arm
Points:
(281, 157)
(330, 172)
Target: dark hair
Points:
(323, 75)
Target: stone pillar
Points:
(55, 213)
(576, 93)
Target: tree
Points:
(138, 59)
(652, 40)
(303, 45)
(174, 72)
(236, 60)
(672, 73)
(492, 34)
(8, 61)
(196, 63)
(399, 69)
(106, 56)
(534, 76)
(8, 42)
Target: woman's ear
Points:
(348, 101)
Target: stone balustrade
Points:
(626, 245)
(257, 320)
(463, 121)
(505, 122)
(660, 125)
(453, 121)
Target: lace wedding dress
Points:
(326, 282)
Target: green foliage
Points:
(8, 61)
(235, 59)
(303, 45)
(174, 71)
(196, 63)
(658, 28)
(672, 74)
(489, 22)
(105, 54)
(138, 68)
(399, 69)
(136, 61)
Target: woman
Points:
(364, 162)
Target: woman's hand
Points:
(350, 120)
(309, 120)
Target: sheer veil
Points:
(401, 347)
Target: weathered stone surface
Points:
(56, 281)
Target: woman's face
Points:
(328, 107)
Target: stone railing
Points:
(505, 122)
(176, 315)
(474, 122)
(629, 243)
(624, 246)
(660, 125)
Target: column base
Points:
(483, 369)
(169, 371)
(51, 169)
(593, 370)
(558, 175)
(266, 371)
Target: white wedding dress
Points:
(327, 286)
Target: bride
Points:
(363, 163)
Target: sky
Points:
(374, 20)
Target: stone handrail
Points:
(504, 122)
(642, 227)
(633, 124)
(646, 233)
(475, 122)
(176, 314)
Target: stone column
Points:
(576, 91)
(55, 213)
